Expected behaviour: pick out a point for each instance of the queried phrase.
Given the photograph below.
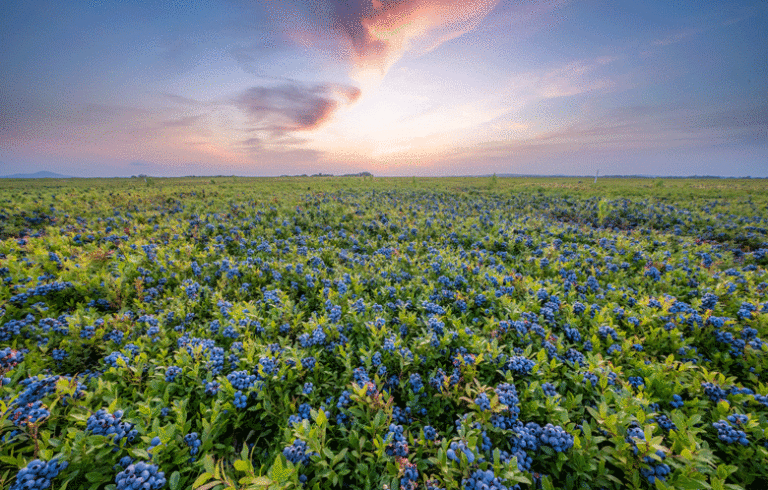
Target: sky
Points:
(392, 87)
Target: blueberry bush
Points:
(318, 333)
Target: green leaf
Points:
(9, 460)
(546, 483)
(262, 481)
(210, 485)
(173, 481)
(241, 465)
(167, 433)
(339, 457)
(208, 464)
(687, 483)
(321, 418)
(378, 419)
(202, 479)
(280, 472)
(94, 476)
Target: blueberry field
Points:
(372, 333)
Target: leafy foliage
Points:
(413, 333)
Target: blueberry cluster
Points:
(591, 377)
(655, 470)
(484, 480)
(520, 365)
(402, 416)
(29, 414)
(429, 433)
(524, 461)
(304, 414)
(241, 400)
(549, 389)
(110, 425)
(12, 328)
(738, 418)
(483, 402)
(556, 438)
(677, 401)
(636, 381)
(441, 380)
(574, 357)
(171, 373)
(297, 452)
(653, 273)
(714, 392)
(192, 440)
(526, 437)
(241, 380)
(397, 443)
(124, 462)
(211, 387)
(729, 434)
(709, 301)
(484, 443)
(361, 376)
(9, 358)
(572, 334)
(460, 446)
(633, 433)
(344, 401)
(416, 383)
(504, 422)
(37, 388)
(140, 475)
(389, 344)
(41, 290)
(508, 396)
(578, 308)
(605, 331)
(115, 359)
(665, 423)
(410, 475)
(215, 362)
(308, 363)
(38, 474)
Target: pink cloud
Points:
(372, 35)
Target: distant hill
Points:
(43, 174)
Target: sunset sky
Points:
(407, 87)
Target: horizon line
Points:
(368, 174)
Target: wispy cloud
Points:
(294, 107)
(673, 38)
(634, 130)
(372, 35)
(574, 78)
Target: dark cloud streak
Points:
(293, 107)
